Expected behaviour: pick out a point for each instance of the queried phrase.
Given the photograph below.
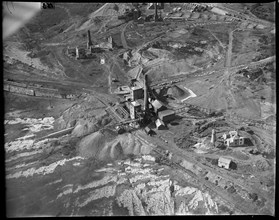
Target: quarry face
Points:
(139, 109)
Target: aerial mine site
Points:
(127, 109)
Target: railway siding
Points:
(24, 89)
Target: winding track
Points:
(123, 39)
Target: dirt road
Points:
(239, 204)
(123, 39)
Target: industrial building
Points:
(224, 162)
(151, 6)
(136, 93)
(158, 106)
(148, 131)
(107, 45)
(71, 51)
(233, 139)
(219, 11)
(140, 108)
(82, 53)
(134, 108)
(159, 124)
(166, 115)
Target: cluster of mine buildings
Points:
(140, 107)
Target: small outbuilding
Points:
(148, 131)
(102, 60)
(224, 162)
(159, 124)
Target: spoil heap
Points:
(105, 145)
(178, 93)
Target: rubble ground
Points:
(214, 71)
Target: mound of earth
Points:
(270, 119)
(262, 165)
(105, 145)
(176, 92)
(87, 116)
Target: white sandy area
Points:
(44, 170)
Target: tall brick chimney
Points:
(146, 107)
(89, 42)
(156, 12)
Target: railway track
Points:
(114, 116)
(177, 79)
(242, 206)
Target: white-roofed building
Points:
(159, 124)
(158, 106)
(224, 162)
(219, 11)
